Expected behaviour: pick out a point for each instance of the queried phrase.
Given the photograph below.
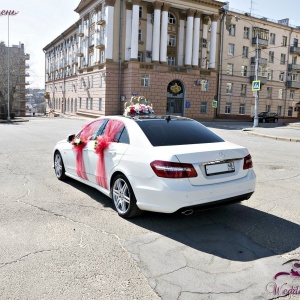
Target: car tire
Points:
(264, 120)
(59, 166)
(123, 198)
(275, 120)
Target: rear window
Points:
(177, 132)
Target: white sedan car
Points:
(156, 163)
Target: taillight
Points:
(248, 162)
(167, 169)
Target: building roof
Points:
(83, 4)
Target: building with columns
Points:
(166, 51)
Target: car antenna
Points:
(168, 118)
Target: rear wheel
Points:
(124, 198)
(275, 120)
(59, 166)
(264, 120)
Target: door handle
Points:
(113, 152)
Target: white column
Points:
(204, 36)
(109, 32)
(180, 53)
(196, 40)
(135, 31)
(156, 32)
(213, 42)
(128, 30)
(149, 34)
(164, 34)
(189, 38)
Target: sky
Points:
(41, 21)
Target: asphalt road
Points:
(65, 241)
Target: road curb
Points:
(273, 137)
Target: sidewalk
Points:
(289, 133)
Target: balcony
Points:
(263, 80)
(80, 53)
(100, 44)
(295, 50)
(293, 84)
(293, 67)
(261, 43)
(101, 18)
(80, 31)
(261, 61)
(27, 74)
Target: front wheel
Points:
(59, 166)
(124, 198)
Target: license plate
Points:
(215, 169)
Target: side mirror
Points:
(70, 138)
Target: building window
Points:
(203, 108)
(204, 85)
(229, 69)
(284, 41)
(294, 60)
(272, 38)
(243, 89)
(246, 32)
(140, 35)
(90, 81)
(270, 75)
(232, 29)
(229, 88)
(92, 39)
(230, 49)
(145, 80)
(279, 110)
(282, 59)
(100, 104)
(271, 56)
(228, 108)
(281, 76)
(91, 103)
(244, 71)
(280, 94)
(245, 51)
(292, 94)
(87, 103)
(80, 102)
(204, 43)
(100, 80)
(172, 40)
(171, 18)
(102, 57)
(242, 109)
(140, 12)
(269, 92)
(290, 111)
(171, 61)
(268, 108)
(295, 42)
(140, 56)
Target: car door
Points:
(88, 133)
(100, 169)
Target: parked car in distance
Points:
(156, 163)
(266, 116)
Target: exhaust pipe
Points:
(188, 212)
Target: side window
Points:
(99, 130)
(88, 132)
(122, 136)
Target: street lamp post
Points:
(255, 121)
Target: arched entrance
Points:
(175, 98)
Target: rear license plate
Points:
(216, 169)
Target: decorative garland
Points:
(138, 106)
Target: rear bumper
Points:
(169, 196)
(215, 204)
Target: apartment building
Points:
(13, 74)
(166, 51)
(272, 46)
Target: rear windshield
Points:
(177, 132)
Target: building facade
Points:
(166, 51)
(272, 47)
(13, 74)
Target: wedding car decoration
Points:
(138, 106)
